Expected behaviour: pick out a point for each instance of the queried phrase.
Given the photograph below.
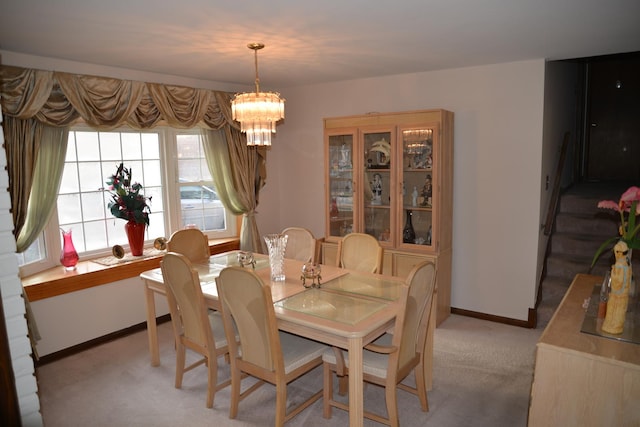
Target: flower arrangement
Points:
(628, 209)
(126, 200)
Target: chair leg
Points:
(327, 390)
(212, 371)
(236, 378)
(421, 387)
(391, 396)
(180, 360)
(281, 403)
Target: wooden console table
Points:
(582, 379)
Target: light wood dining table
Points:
(349, 310)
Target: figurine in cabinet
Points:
(427, 192)
(376, 189)
(345, 157)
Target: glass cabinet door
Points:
(341, 208)
(378, 183)
(417, 185)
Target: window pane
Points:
(110, 146)
(35, 252)
(152, 173)
(69, 182)
(69, 209)
(150, 146)
(131, 148)
(71, 148)
(87, 146)
(93, 206)
(90, 177)
(95, 236)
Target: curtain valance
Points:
(60, 99)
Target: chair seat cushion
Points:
(372, 363)
(296, 351)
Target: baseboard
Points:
(529, 323)
(97, 341)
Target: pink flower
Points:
(629, 227)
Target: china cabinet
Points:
(390, 175)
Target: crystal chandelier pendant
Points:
(257, 111)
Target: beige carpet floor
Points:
(482, 377)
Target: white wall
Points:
(498, 122)
(77, 317)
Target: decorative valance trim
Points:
(61, 99)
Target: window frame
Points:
(167, 138)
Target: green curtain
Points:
(46, 183)
(236, 171)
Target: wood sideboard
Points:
(582, 379)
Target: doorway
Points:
(612, 134)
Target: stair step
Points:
(575, 203)
(576, 244)
(566, 267)
(600, 225)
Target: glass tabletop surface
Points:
(365, 284)
(333, 306)
(230, 259)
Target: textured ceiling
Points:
(314, 41)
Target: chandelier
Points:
(257, 111)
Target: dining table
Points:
(348, 310)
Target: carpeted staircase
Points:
(580, 228)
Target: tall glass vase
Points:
(68, 257)
(276, 244)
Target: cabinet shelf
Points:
(418, 208)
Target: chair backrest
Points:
(247, 301)
(191, 243)
(301, 244)
(413, 321)
(360, 252)
(186, 301)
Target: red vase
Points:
(135, 234)
(68, 256)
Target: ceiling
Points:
(311, 42)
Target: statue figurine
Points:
(376, 189)
(427, 191)
(619, 294)
(414, 197)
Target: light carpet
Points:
(482, 377)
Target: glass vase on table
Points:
(276, 244)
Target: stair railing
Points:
(555, 195)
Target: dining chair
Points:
(301, 244)
(388, 360)
(190, 242)
(264, 352)
(195, 327)
(360, 252)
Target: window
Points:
(170, 165)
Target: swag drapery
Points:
(39, 106)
